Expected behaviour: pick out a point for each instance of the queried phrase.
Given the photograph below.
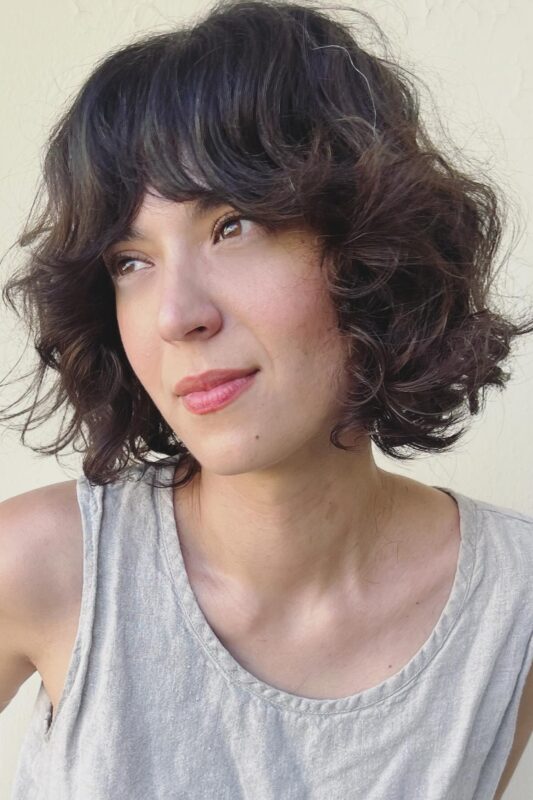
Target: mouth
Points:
(219, 396)
(209, 380)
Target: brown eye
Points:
(116, 264)
(227, 222)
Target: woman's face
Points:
(188, 301)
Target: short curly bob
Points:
(275, 108)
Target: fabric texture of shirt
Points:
(154, 707)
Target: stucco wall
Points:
(474, 56)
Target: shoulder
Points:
(508, 527)
(41, 558)
(517, 518)
(504, 539)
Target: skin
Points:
(278, 519)
(284, 534)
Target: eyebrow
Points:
(201, 206)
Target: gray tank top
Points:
(156, 708)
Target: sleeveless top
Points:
(155, 707)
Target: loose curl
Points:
(276, 109)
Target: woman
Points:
(253, 262)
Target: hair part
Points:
(274, 108)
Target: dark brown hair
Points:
(276, 109)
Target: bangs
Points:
(231, 111)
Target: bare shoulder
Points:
(41, 566)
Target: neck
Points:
(285, 537)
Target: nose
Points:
(185, 307)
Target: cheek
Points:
(138, 340)
(303, 331)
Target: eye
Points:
(116, 263)
(226, 222)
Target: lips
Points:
(208, 380)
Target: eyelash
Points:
(117, 261)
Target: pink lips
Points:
(208, 380)
(219, 396)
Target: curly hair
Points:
(275, 108)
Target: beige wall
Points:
(473, 54)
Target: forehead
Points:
(154, 203)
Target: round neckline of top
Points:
(239, 675)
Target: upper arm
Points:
(15, 666)
(524, 729)
(33, 585)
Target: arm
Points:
(35, 582)
(15, 665)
